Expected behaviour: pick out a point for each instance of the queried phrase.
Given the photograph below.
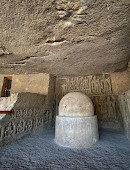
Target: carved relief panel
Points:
(90, 85)
(23, 120)
(105, 108)
(98, 88)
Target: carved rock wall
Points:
(29, 112)
(123, 102)
(120, 82)
(31, 102)
(99, 89)
(21, 122)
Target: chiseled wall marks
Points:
(98, 88)
(91, 85)
(33, 107)
(29, 111)
(33, 83)
(51, 92)
(105, 108)
(123, 102)
(23, 120)
(120, 82)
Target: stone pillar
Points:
(76, 124)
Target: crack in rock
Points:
(56, 42)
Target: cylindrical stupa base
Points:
(76, 132)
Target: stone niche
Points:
(29, 110)
(76, 125)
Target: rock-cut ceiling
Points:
(64, 37)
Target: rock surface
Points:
(123, 102)
(76, 132)
(76, 104)
(64, 37)
(7, 103)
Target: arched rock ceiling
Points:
(64, 37)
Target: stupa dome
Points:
(76, 104)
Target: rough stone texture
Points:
(39, 152)
(33, 83)
(31, 101)
(76, 132)
(51, 92)
(28, 112)
(64, 37)
(7, 103)
(76, 104)
(120, 82)
(100, 90)
(76, 126)
(123, 102)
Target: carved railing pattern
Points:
(23, 120)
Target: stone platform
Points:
(77, 132)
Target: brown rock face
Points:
(64, 37)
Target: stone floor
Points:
(39, 152)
